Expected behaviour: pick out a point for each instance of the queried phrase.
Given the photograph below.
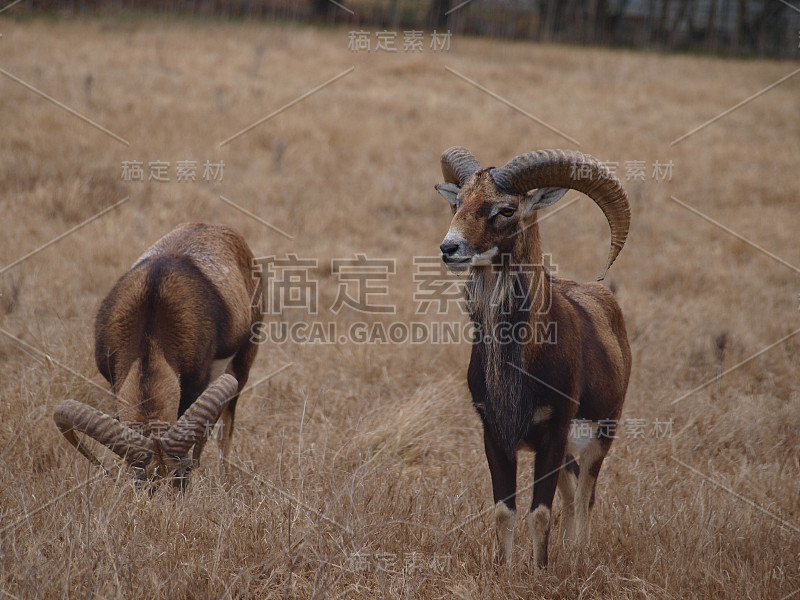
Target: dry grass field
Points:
(358, 470)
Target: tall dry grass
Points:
(359, 472)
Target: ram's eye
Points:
(506, 212)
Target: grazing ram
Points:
(170, 326)
(527, 392)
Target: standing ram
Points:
(178, 319)
(527, 392)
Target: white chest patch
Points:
(218, 367)
(581, 433)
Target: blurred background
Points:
(738, 27)
(359, 467)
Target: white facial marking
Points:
(484, 258)
(457, 261)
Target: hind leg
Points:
(239, 368)
(226, 435)
(567, 485)
(591, 460)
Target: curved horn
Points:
(175, 443)
(458, 165)
(577, 171)
(71, 416)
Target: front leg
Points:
(504, 489)
(548, 466)
(502, 468)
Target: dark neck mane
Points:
(506, 301)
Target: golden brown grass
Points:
(359, 472)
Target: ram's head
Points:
(493, 207)
(155, 456)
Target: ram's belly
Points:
(218, 367)
(581, 433)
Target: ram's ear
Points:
(541, 198)
(449, 192)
